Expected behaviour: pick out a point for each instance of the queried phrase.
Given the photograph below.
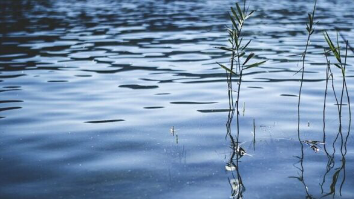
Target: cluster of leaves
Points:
(336, 52)
(238, 18)
(309, 25)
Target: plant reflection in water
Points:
(237, 152)
(335, 168)
(340, 141)
(239, 62)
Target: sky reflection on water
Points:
(89, 91)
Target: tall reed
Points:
(239, 62)
(341, 64)
(310, 31)
(239, 55)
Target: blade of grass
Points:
(240, 11)
(255, 64)
(235, 15)
(226, 68)
(248, 58)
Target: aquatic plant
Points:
(239, 61)
(310, 31)
(341, 64)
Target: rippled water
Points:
(90, 89)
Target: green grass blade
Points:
(240, 11)
(233, 22)
(338, 66)
(332, 47)
(241, 54)
(226, 68)
(240, 41)
(224, 48)
(255, 64)
(251, 13)
(248, 58)
(235, 15)
(310, 20)
(244, 47)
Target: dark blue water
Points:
(90, 89)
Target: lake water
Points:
(90, 89)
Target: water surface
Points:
(90, 89)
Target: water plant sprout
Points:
(239, 62)
(310, 31)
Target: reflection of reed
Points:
(302, 170)
(310, 31)
(339, 143)
(343, 142)
(237, 152)
(339, 171)
(240, 62)
(331, 162)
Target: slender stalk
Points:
(238, 50)
(254, 134)
(301, 84)
(343, 140)
(310, 31)
(325, 98)
(346, 88)
(237, 102)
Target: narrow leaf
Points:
(240, 41)
(244, 47)
(329, 41)
(308, 28)
(338, 66)
(240, 11)
(241, 54)
(310, 19)
(254, 65)
(235, 15)
(311, 32)
(248, 58)
(235, 36)
(295, 177)
(233, 22)
(250, 13)
(224, 48)
(331, 46)
(230, 33)
(226, 68)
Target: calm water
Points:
(90, 89)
